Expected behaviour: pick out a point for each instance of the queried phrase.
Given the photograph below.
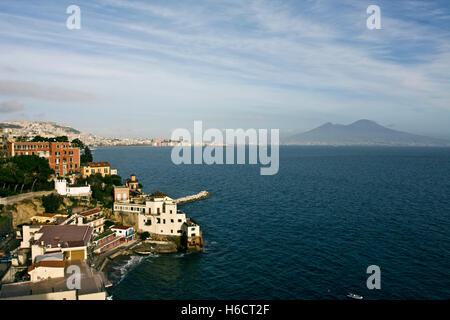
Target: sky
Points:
(144, 68)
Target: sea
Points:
(309, 232)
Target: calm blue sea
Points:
(309, 232)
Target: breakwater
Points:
(201, 195)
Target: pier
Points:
(201, 195)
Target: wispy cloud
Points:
(31, 90)
(10, 106)
(291, 59)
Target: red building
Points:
(62, 157)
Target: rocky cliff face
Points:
(124, 218)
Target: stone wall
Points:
(24, 196)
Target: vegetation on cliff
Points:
(52, 202)
(102, 187)
(24, 174)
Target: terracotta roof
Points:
(47, 264)
(79, 209)
(90, 212)
(158, 194)
(190, 223)
(67, 236)
(98, 164)
(120, 227)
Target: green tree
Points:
(24, 173)
(53, 139)
(52, 202)
(78, 143)
(86, 156)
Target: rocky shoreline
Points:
(138, 247)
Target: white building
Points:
(72, 191)
(159, 215)
(70, 240)
(92, 217)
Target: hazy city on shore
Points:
(359, 133)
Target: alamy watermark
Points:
(74, 20)
(374, 20)
(74, 280)
(374, 280)
(209, 147)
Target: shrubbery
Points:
(102, 187)
(52, 202)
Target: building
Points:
(125, 232)
(46, 269)
(55, 287)
(121, 193)
(113, 238)
(158, 215)
(62, 157)
(193, 235)
(82, 191)
(71, 240)
(104, 168)
(49, 218)
(93, 218)
(28, 235)
(133, 183)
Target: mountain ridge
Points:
(362, 132)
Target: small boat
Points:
(355, 296)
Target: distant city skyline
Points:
(144, 68)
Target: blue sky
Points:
(144, 68)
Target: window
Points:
(158, 220)
(171, 231)
(179, 220)
(171, 220)
(164, 221)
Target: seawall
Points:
(201, 195)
